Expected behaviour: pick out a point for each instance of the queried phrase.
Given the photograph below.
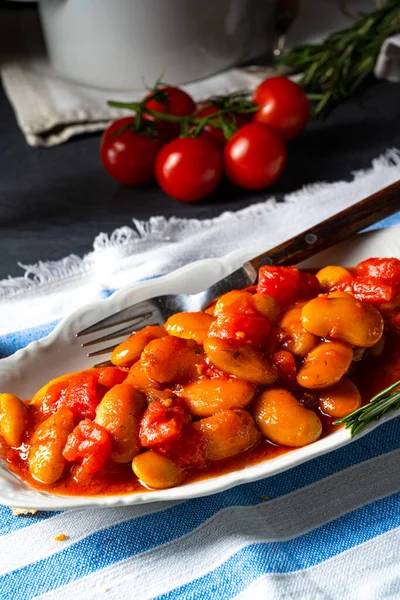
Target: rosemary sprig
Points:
(386, 400)
(335, 68)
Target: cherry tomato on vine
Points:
(172, 101)
(254, 157)
(216, 134)
(283, 106)
(189, 169)
(129, 156)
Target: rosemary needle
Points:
(335, 68)
(387, 399)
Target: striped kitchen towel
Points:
(327, 529)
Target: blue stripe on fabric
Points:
(124, 540)
(11, 342)
(107, 293)
(9, 523)
(16, 340)
(391, 221)
(247, 565)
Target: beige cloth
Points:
(388, 63)
(50, 110)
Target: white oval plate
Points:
(60, 352)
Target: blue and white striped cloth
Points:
(329, 529)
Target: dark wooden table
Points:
(54, 201)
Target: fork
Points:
(337, 228)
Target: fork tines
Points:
(136, 313)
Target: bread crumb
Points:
(61, 537)
(20, 512)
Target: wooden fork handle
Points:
(333, 230)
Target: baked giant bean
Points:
(340, 400)
(241, 360)
(157, 471)
(228, 432)
(204, 397)
(298, 340)
(285, 420)
(267, 307)
(332, 275)
(236, 300)
(345, 319)
(45, 460)
(171, 359)
(138, 378)
(13, 419)
(129, 351)
(190, 325)
(325, 365)
(119, 413)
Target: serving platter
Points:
(60, 352)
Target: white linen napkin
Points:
(144, 249)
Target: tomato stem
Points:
(138, 106)
(195, 123)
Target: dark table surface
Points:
(54, 201)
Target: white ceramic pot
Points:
(120, 44)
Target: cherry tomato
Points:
(189, 169)
(114, 128)
(172, 101)
(129, 156)
(279, 282)
(283, 106)
(254, 157)
(216, 134)
(90, 444)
